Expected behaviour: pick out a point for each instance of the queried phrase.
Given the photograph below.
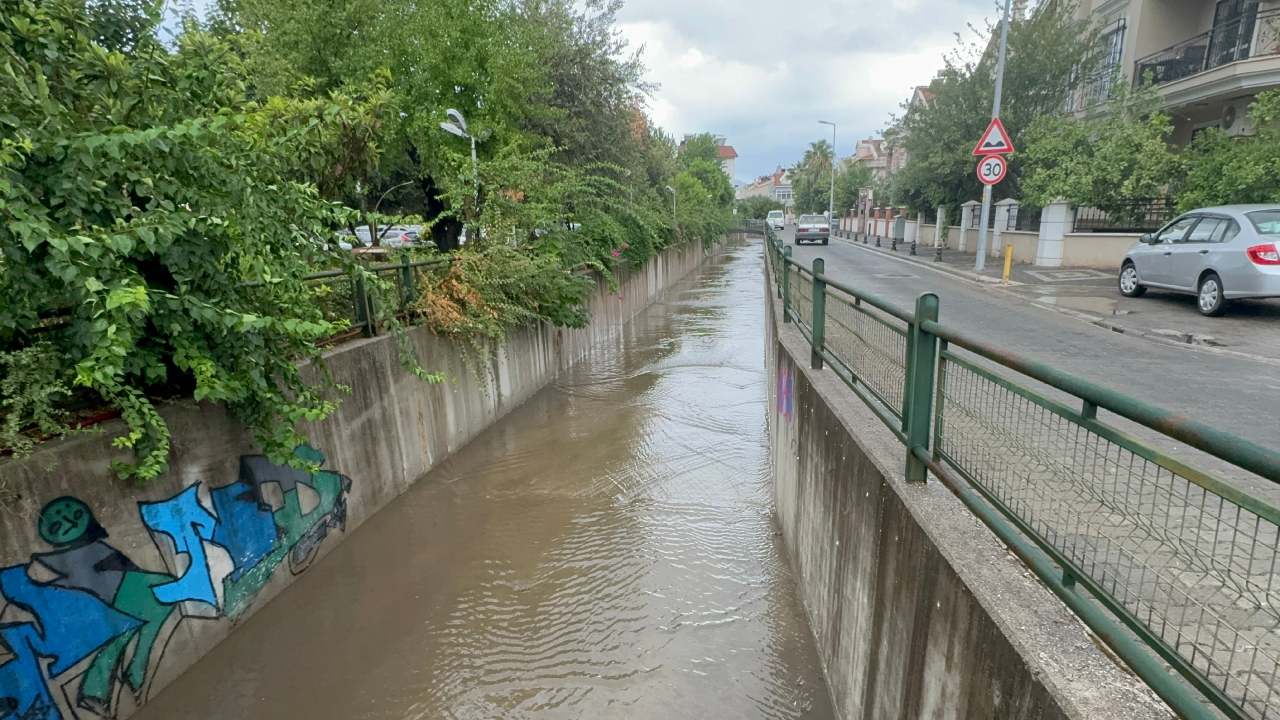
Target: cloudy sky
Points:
(763, 72)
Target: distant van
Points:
(776, 219)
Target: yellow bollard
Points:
(1008, 264)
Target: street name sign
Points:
(994, 141)
(992, 169)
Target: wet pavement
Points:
(1249, 328)
(606, 551)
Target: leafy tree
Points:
(850, 180)
(1106, 161)
(1049, 52)
(811, 178)
(1222, 170)
(140, 190)
(159, 206)
(757, 207)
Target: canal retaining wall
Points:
(108, 591)
(917, 609)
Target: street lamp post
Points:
(675, 222)
(831, 199)
(980, 262)
(457, 126)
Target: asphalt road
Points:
(1231, 393)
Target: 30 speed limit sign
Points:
(991, 169)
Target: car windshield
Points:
(775, 213)
(812, 219)
(1266, 221)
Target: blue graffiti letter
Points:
(190, 525)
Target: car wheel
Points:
(1129, 285)
(824, 242)
(1209, 298)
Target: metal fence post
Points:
(819, 317)
(364, 305)
(917, 406)
(786, 285)
(407, 289)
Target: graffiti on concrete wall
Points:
(81, 623)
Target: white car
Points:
(776, 219)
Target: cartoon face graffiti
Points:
(65, 521)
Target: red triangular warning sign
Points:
(995, 141)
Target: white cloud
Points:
(763, 73)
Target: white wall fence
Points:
(1053, 244)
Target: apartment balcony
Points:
(1234, 57)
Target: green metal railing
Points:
(349, 299)
(1174, 568)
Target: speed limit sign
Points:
(991, 169)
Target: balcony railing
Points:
(1255, 34)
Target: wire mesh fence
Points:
(1184, 563)
(801, 297)
(1194, 569)
(870, 348)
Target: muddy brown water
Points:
(606, 551)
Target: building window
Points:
(1098, 89)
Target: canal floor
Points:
(608, 550)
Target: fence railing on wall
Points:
(1024, 218)
(1144, 215)
(1173, 567)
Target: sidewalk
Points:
(1250, 327)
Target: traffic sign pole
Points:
(980, 262)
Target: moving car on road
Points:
(813, 228)
(1217, 254)
(776, 219)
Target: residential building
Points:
(776, 185)
(781, 187)
(728, 156)
(878, 157)
(1208, 59)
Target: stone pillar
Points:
(1005, 209)
(966, 214)
(941, 222)
(1055, 222)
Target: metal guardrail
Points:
(1175, 569)
(349, 300)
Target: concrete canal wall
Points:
(917, 609)
(109, 591)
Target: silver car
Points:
(1217, 254)
(813, 228)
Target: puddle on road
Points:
(607, 551)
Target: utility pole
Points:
(831, 199)
(980, 262)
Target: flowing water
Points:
(605, 551)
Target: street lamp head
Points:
(671, 190)
(457, 118)
(826, 122)
(454, 130)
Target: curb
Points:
(1098, 321)
(940, 267)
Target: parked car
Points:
(395, 236)
(776, 219)
(1217, 254)
(813, 228)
